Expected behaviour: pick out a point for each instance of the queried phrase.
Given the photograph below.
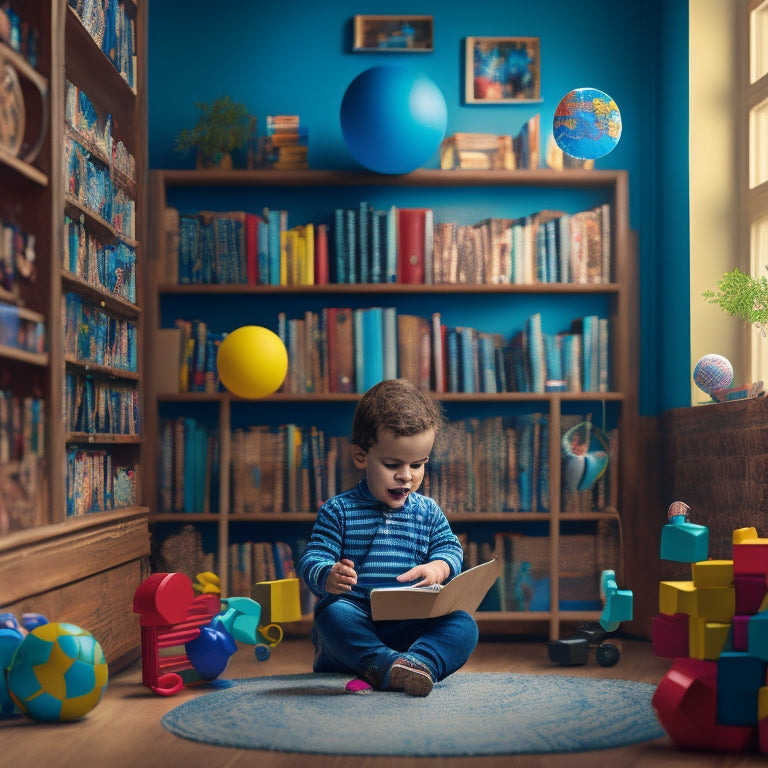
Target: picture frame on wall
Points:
(502, 70)
(394, 34)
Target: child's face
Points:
(394, 466)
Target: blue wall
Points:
(294, 58)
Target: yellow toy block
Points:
(706, 639)
(716, 603)
(741, 534)
(762, 702)
(279, 600)
(712, 573)
(677, 597)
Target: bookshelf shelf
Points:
(560, 537)
(54, 561)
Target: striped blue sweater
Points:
(381, 542)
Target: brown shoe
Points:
(409, 676)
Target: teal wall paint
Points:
(295, 57)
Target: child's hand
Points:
(341, 577)
(433, 572)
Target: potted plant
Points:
(223, 127)
(741, 295)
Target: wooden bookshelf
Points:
(617, 296)
(81, 569)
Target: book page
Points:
(464, 592)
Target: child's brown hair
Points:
(397, 405)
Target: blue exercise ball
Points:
(393, 119)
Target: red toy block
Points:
(686, 705)
(750, 557)
(670, 635)
(750, 591)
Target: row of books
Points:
(345, 350)
(97, 131)
(110, 267)
(253, 561)
(487, 151)
(90, 183)
(188, 475)
(91, 335)
(22, 427)
(95, 484)
(18, 33)
(367, 244)
(100, 407)
(22, 328)
(114, 31)
(498, 464)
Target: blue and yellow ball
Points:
(57, 673)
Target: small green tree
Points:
(743, 296)
(223, 126)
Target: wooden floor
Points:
(124, 729)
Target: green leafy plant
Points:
(744, 296)
(223, 126)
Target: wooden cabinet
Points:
(74, 541)
(556, 542)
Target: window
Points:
(754, 188)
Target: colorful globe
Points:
(587, 124)
(57, 673)
(713, 373)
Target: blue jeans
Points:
(346, 639)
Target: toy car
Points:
(573, 649)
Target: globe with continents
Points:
(587, 124)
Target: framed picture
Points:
(396, 34)
(502, 70)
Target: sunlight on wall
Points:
(713, 181)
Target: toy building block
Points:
(712, 573)
(716, 603)
(750, 592)
(739, 678)
(707, 639)
(757, 635)
(684, 542)
(686, 705)
(669, 635)
(279, 600)
(750, 557)
(740, 534)
(741, 632)
(762, 722)
(240, 617)
(677, 597)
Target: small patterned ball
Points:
(57, 673)
(713, 373)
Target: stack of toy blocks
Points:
(715, 627)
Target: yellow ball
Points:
(252, 362)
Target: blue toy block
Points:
(757, 635)
(684, 542)
(739, 678)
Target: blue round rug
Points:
(466, 714)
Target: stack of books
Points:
(488, 151)
(286, 144)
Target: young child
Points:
(383, 533)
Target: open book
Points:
(464, 592)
